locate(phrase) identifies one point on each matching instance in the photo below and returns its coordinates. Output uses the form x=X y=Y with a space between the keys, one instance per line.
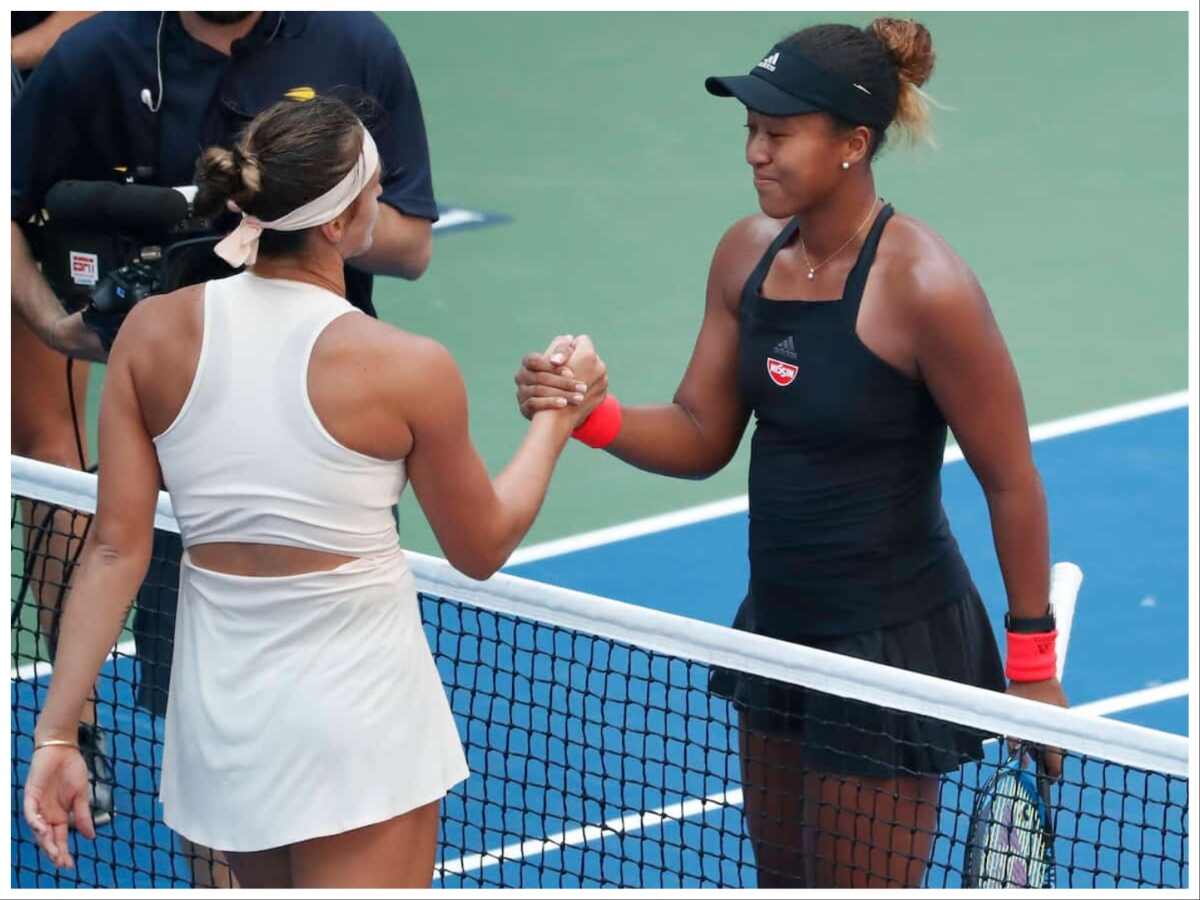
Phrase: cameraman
x=127 y=92
x=138 y=95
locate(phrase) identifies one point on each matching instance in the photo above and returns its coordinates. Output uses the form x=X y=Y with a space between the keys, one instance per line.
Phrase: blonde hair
x=909 y=44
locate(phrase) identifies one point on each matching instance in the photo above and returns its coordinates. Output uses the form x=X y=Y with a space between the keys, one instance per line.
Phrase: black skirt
x=838 y=735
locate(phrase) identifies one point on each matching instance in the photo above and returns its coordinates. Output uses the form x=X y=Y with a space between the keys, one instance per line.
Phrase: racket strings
x=1009 y=841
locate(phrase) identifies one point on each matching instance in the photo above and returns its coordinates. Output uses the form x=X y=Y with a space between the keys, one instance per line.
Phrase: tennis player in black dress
x=855 y=335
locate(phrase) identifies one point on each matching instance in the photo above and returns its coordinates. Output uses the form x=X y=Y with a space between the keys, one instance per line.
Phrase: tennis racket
x=1010 y=841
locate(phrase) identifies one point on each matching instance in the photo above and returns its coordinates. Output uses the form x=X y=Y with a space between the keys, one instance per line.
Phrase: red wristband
x=601 y=428
x=1032 y=657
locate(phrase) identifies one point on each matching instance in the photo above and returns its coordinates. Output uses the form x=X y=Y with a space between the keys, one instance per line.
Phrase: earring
x=845 y=165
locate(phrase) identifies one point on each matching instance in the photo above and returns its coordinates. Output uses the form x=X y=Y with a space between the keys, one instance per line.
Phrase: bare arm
x=402 y=246
x=29 y=47
x=114 y=564
x=963 y=359
x=37 y=304
x=478 y=521
x=118 y=547
x=966 y=365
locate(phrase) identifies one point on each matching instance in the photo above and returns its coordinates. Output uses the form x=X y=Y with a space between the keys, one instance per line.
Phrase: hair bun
x=909 y=44
x=249 y=170
x=223 y=175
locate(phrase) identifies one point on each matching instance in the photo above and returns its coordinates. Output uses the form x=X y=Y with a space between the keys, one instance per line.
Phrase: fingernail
x=582 y=388
x=560 y=402
x=578 y=398
x=556 y=358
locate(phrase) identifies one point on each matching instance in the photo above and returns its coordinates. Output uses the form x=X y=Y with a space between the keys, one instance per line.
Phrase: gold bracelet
x=54 y=743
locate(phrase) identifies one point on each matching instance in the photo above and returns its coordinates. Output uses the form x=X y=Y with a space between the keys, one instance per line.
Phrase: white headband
x=240 y=246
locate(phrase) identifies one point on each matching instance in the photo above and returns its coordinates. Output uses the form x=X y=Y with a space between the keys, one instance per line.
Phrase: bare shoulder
x=740 y=249
x=750 y=236
x=392 y=355
x=923 y=271
x=161 y=325
x=164 y=311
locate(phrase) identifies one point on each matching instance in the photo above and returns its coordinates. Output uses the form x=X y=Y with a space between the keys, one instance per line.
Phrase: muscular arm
x=402 y=247
x=37 y=304
x=697 y=434
x=478 y=521
x=117 y=554
x=963 y=359
x=29 y=47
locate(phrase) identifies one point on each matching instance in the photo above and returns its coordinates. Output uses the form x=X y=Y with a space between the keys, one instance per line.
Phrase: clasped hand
x=568 y=374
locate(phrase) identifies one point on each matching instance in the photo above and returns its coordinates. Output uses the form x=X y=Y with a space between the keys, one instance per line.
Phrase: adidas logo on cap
x=769 y=63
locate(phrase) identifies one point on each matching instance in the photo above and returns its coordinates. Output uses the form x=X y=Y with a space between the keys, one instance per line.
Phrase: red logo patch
x=781 y=373
x=85 y=268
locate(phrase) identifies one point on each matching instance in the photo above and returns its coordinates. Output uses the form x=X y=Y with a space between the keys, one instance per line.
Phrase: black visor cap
x=785 y=83
x=759 y=95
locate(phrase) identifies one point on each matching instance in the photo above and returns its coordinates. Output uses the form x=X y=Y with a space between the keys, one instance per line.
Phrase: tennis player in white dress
x=308 y=735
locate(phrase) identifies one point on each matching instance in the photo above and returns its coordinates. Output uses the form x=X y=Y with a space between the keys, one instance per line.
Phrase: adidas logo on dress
x=769 y=63
x=786 y=347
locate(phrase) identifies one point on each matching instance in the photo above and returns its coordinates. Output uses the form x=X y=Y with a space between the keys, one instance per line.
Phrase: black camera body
x=115 y=295
x=106 y=246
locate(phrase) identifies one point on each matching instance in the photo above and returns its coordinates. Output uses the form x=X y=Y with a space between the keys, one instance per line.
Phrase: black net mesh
x=598 y=763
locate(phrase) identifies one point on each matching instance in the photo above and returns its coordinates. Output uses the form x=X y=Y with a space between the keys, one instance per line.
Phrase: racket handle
x=1065 y=580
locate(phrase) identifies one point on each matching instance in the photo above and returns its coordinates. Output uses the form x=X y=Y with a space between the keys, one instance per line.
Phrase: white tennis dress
x=310 y=704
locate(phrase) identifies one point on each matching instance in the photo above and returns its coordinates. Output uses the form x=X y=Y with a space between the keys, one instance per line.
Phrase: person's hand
x=590 y=369
x=1048 y=691
x=57 y=790
x=72 y=336
x=545 y=381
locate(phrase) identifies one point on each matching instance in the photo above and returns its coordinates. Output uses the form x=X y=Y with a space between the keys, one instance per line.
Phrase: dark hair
x=891 y=58
x=291 y=153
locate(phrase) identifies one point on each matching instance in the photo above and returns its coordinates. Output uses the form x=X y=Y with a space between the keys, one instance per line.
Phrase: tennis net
x=605 y=750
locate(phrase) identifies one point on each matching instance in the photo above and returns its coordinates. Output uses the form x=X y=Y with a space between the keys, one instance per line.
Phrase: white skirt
x=302 y=706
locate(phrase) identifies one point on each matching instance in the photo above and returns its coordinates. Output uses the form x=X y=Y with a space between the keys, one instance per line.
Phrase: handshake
x=567 y=374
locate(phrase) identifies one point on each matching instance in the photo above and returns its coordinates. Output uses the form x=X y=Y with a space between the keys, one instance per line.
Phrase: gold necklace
x=812 y=270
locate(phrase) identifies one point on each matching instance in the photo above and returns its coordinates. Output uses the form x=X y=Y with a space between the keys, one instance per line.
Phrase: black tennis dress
x=850 y=548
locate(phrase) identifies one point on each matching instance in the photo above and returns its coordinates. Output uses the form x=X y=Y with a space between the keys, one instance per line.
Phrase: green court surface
x=1061 y=177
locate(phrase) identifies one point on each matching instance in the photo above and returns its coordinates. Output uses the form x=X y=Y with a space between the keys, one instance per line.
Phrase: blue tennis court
x=642 y=761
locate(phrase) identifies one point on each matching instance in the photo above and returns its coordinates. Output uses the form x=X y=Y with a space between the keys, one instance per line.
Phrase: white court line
x=639 y=821
x=451 y=218
x=1134 y=699
x=702 y=513
x=686 y=809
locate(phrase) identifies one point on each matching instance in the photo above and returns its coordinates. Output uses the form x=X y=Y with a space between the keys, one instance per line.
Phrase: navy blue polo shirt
x=82 y=116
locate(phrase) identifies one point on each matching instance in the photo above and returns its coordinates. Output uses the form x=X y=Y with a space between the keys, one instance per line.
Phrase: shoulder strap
x=754 y=282
x=857 y=278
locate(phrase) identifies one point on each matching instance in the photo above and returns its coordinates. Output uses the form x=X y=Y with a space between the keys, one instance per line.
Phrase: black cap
x=786 y=83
